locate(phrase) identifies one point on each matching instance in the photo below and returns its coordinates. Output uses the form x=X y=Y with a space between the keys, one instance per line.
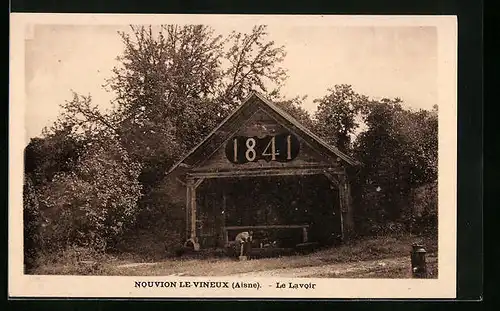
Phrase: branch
x=252 y=39
x=91 y=115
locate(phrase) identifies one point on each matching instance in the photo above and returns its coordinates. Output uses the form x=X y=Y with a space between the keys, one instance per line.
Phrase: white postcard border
x=444 y=286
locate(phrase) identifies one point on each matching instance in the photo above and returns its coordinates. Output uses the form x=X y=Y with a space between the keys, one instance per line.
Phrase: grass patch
x=399 y=270
x=356 y=251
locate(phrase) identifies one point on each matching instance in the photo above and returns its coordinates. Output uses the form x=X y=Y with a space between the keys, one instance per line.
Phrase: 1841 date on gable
x=281 y=148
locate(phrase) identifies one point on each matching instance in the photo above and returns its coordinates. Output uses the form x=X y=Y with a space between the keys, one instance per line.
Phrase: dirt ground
x=375 y=268
x=389 y=268
x=383 y=257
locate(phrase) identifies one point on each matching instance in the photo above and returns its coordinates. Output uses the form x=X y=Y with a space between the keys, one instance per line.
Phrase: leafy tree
x=183 y=80
x=146 y=142
x=425 y=210
x=58 y=151
x=91 y=205
x=420 y=133
x=399 y=153
x=336 y=115
x=378 y=149
x=254 y=63
x=31 y=224
x=162 y=76
x=294 y=108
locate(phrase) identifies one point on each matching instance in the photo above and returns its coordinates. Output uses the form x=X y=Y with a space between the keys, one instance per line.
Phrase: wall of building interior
x=280 y=200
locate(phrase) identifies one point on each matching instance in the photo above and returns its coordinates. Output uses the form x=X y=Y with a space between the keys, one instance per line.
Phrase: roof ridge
x=280 y=112
x=289 y=117
x=226 y=119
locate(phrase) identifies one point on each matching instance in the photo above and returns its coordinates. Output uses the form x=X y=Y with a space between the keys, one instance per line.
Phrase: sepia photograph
x=193 y=149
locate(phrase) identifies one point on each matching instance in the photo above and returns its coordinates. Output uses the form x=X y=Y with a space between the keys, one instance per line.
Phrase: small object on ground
x=242 y=258
x=418 y=261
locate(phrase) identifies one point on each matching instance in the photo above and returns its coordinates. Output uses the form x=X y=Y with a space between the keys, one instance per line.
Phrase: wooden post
x=191 y=186
x=225 y=239
x=348 y=221
x=342 y=209
x=191 y=206
x=189 y=190
x=339 y=181
x=342 y=235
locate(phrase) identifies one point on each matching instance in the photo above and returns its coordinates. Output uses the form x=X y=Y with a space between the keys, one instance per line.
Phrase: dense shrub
x=158 y=230
x=420 y=216
x=91 y=206
x=32 y=223
x=425 y=215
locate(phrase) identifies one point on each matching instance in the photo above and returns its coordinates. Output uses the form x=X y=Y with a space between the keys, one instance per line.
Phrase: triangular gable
x=264 y=124
x=252 y=105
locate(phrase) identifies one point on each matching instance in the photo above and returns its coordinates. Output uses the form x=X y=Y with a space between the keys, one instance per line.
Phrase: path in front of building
x=388 y=267
x=351 y=269
x=331 y=270
x=140 y=264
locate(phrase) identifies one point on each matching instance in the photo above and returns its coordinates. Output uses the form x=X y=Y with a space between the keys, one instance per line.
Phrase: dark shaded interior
x=281 y=200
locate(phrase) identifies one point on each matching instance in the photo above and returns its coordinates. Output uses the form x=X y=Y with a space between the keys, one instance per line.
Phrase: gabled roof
x=329 y=148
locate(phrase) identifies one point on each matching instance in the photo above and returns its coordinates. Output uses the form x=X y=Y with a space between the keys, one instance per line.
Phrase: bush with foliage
x=91 y=206
x=32 y=221
x=424 y=220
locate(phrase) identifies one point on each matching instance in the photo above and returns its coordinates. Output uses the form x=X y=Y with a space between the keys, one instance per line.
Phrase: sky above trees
x=376 y=61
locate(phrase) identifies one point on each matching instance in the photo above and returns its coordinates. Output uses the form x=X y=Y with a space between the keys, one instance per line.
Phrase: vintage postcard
x=232 y=156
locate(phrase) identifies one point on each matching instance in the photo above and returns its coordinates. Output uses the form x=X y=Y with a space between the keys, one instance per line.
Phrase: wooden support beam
x=349 y=222
x=346 y=208
x=191 y=185
x=340 y=181
x=224 y=206
x=305 y=238
x=325 y=167
x=344 y=205
x=191 y=208
x=198 y=182
x=267 y=227
x=192 y=199
x=189 y=188
x=332 y=178
x=263 y=172
x=226 y=237
x=180 y=181
x=342 y=236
